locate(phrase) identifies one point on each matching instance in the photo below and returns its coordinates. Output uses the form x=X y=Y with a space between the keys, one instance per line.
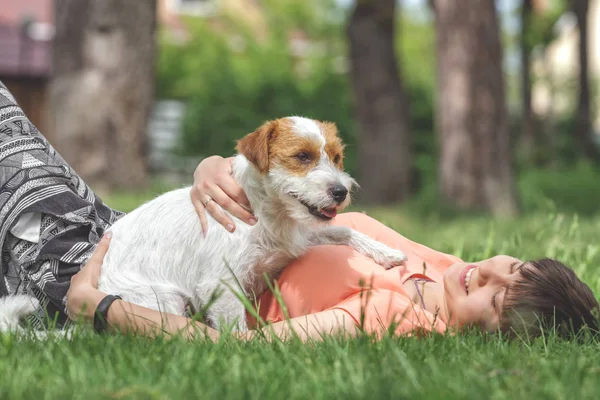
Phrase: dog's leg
x=383 y=255
x=222 y=306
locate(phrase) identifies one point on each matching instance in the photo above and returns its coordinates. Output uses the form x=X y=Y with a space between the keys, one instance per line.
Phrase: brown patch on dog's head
x=294 y=152
x=255 y=146
x=333 y=144
x=279 y=142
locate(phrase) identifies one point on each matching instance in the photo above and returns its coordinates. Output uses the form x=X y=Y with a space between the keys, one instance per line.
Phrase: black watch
x=100 y=322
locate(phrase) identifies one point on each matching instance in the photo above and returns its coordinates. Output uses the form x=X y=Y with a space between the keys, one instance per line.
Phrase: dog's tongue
x=329 y=212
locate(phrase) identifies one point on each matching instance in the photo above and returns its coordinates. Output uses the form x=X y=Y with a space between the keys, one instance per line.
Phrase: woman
x=50 y=221
x=335 y=289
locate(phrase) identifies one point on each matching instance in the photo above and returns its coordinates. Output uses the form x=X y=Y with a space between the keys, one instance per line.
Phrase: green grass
x=470 y=366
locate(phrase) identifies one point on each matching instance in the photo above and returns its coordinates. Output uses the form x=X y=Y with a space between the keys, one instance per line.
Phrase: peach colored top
x=337 y=277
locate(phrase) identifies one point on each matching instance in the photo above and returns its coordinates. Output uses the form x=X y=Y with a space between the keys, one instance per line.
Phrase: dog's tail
x=13 y=308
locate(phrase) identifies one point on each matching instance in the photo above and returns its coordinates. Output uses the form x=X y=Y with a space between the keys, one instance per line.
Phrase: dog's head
x=301 y=162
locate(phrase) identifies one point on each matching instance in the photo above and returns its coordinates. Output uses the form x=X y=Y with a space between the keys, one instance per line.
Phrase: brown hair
x=549 y=297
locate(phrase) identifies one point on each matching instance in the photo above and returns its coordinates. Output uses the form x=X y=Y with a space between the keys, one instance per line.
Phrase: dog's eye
x=336 y=159
x=303 y=157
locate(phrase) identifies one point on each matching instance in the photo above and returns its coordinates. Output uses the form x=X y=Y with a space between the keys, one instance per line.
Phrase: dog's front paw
x=390 y=258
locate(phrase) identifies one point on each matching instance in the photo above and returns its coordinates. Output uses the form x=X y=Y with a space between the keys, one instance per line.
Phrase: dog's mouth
x=325 y=213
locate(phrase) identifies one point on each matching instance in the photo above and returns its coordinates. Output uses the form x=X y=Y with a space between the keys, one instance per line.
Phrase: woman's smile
x=465 y=277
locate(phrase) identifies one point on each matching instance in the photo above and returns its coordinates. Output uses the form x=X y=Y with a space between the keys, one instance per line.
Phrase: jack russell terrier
x=291 y=170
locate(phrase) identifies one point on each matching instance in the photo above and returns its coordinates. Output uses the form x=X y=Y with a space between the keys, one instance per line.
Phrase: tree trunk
x=102 y=90
x=384 y=142
x=583 y=126
x=476 y=163
x=528 y=135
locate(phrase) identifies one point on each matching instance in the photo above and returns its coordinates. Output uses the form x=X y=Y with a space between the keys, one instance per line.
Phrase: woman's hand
x=83 y=296
x=213 y=187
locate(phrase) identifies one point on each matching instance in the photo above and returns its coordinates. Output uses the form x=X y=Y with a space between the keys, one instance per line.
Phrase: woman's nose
x=487 y=273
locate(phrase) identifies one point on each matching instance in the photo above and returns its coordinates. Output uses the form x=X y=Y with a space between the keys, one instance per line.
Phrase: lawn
x=470 y=366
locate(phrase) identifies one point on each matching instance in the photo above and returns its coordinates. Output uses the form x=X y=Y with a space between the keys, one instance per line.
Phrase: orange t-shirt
x=337 y=277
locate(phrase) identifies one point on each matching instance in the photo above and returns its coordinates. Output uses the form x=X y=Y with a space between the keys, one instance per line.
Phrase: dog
x=291 y=170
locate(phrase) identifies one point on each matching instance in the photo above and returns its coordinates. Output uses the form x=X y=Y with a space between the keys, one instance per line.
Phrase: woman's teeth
x=468 y=278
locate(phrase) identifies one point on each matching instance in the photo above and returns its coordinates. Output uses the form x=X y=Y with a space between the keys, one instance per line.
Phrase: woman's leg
x=69 y=218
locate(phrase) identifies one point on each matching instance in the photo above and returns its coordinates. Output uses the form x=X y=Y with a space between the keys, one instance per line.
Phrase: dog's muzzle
x=338 y=194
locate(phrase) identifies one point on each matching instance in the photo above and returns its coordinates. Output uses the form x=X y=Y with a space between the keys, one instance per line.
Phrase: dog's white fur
x=13 y=308
x=159 y=258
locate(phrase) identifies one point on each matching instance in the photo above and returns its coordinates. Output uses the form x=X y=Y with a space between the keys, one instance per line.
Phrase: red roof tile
x=20 y=55
x=13 y=11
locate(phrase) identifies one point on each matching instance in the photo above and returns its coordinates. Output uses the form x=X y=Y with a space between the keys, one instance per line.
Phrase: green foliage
x=317 y=18
x=541 y=31
x=573 y=189
x=233 y=81
x=561 y=187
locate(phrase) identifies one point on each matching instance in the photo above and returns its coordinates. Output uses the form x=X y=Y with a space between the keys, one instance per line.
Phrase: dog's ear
x=255 y=146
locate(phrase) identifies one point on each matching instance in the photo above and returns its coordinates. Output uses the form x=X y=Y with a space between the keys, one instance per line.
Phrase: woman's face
x=475 y=292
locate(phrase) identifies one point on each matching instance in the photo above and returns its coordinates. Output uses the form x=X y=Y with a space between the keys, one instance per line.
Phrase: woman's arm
x=83 y=298
x=311 y=326
x=130 y=317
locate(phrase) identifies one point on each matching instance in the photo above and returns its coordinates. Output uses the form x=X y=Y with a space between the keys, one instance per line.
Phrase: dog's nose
x=338 y=192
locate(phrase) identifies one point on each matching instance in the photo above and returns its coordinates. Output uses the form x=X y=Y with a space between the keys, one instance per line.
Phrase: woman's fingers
x=94 y=265
x=235 y=191
x=210 y=205
x=233 y=200
x=83 y=294
x=219 y=198
x=216 y=190
x=101 y=249
x=201 y=211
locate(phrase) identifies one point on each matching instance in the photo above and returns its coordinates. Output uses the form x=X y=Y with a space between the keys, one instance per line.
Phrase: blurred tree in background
x=537 y=144
x=528 y=134
x=103 y=87
x=583 y=127
x=384 y=140
x=476 y=163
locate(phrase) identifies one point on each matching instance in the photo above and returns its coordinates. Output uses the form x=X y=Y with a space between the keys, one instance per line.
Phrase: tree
x=476 y=163
x=102 y=90
x=384 y=142
x=583 y=126
x=528 y=133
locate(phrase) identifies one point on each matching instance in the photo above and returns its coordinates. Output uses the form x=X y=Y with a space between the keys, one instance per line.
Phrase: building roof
x=26 y=30
x=13 y=11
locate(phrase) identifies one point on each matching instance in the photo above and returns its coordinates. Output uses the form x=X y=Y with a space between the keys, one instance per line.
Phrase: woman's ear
x=255 y=146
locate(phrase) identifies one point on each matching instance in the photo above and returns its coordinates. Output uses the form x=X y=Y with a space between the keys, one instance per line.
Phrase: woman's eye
x=302 y=157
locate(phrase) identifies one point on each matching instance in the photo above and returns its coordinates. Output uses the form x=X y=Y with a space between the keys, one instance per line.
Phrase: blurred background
x=446 y=106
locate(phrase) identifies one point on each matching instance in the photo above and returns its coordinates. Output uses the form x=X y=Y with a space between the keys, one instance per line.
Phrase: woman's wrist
x=86 y=301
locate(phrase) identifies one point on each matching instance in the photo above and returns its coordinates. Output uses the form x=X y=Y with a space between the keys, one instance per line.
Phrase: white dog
x=292 y=172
